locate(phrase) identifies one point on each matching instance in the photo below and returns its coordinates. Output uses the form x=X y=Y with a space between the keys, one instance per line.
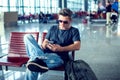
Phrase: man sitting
x=54 y=50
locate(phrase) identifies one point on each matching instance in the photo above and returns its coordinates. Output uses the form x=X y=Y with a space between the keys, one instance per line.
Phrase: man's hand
x=54 y=47
x=58 y=48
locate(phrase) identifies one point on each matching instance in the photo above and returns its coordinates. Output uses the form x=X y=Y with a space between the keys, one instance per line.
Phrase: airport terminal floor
x=100 y=48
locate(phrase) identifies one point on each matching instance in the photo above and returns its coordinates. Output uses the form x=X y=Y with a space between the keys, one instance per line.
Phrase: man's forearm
x=58 y=48
x=72 y=47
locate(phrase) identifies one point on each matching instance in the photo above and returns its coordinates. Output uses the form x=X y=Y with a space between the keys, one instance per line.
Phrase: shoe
x=37 y=65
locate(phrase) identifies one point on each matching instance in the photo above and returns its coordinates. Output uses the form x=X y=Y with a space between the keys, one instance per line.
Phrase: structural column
x=86 y=5
x=62 y=4
x=1 y=30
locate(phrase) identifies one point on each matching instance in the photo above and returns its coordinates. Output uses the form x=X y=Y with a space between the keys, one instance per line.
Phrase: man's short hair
x=66 y=12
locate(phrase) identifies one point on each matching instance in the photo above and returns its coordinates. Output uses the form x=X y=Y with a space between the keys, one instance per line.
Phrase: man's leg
x=32 y=47
x=34 y=51
x=53 y=60
x=108 y=17
x=29 y=75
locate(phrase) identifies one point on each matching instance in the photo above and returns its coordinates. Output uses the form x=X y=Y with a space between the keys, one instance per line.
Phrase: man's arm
x=57 y=48
x=75 y=46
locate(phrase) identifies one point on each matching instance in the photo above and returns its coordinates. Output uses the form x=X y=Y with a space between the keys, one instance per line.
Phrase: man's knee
x=27 y=37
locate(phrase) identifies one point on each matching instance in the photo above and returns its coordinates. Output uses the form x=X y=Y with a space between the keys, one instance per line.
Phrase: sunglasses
x=61 y=21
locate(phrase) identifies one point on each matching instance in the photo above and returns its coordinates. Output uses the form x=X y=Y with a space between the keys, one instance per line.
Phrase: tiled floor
x=99 y=47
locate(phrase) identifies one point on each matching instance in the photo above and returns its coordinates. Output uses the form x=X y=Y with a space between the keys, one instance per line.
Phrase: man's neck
x=64 y=28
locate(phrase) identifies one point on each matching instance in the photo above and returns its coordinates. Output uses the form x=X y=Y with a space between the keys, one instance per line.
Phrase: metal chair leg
x=2 y=77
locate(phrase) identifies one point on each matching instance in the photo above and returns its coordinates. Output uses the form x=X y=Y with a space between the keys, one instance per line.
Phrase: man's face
x=64 y=22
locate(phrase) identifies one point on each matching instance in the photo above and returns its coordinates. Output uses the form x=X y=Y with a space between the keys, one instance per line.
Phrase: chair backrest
x=17 y=48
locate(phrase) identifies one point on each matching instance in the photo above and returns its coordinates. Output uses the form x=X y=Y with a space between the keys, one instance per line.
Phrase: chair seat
x=13 y=61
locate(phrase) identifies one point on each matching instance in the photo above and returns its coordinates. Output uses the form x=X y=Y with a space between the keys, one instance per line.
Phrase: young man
x=54 y=50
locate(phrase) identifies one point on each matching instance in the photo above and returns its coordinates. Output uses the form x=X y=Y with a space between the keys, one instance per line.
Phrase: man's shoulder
x=54 y=27
x=74 y=28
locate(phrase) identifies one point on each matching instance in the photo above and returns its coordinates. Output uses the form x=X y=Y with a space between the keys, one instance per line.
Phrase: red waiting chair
x=16 y=56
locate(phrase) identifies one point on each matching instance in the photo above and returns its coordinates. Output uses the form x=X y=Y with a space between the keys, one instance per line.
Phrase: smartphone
x=51 y=42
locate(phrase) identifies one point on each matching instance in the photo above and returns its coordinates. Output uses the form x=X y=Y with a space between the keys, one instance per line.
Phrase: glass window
x=35 y=6
x=3 y=5
x=29 y=6
x=13 y=5
x=92 y=6
x=75 y=5
x=19 y=7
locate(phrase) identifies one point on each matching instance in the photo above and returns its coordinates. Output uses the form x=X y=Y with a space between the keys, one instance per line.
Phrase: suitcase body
x=79 y=70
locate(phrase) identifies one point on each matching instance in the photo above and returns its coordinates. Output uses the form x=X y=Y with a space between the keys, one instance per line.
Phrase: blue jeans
x=33 y=51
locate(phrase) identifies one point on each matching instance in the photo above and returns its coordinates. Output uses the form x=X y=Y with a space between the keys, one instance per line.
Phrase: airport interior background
x=100 y=42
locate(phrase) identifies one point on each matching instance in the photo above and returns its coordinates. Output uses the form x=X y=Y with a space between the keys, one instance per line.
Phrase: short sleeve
x=76 y=35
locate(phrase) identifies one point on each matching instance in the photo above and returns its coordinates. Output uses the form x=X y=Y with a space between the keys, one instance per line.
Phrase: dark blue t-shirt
x=63 y=38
